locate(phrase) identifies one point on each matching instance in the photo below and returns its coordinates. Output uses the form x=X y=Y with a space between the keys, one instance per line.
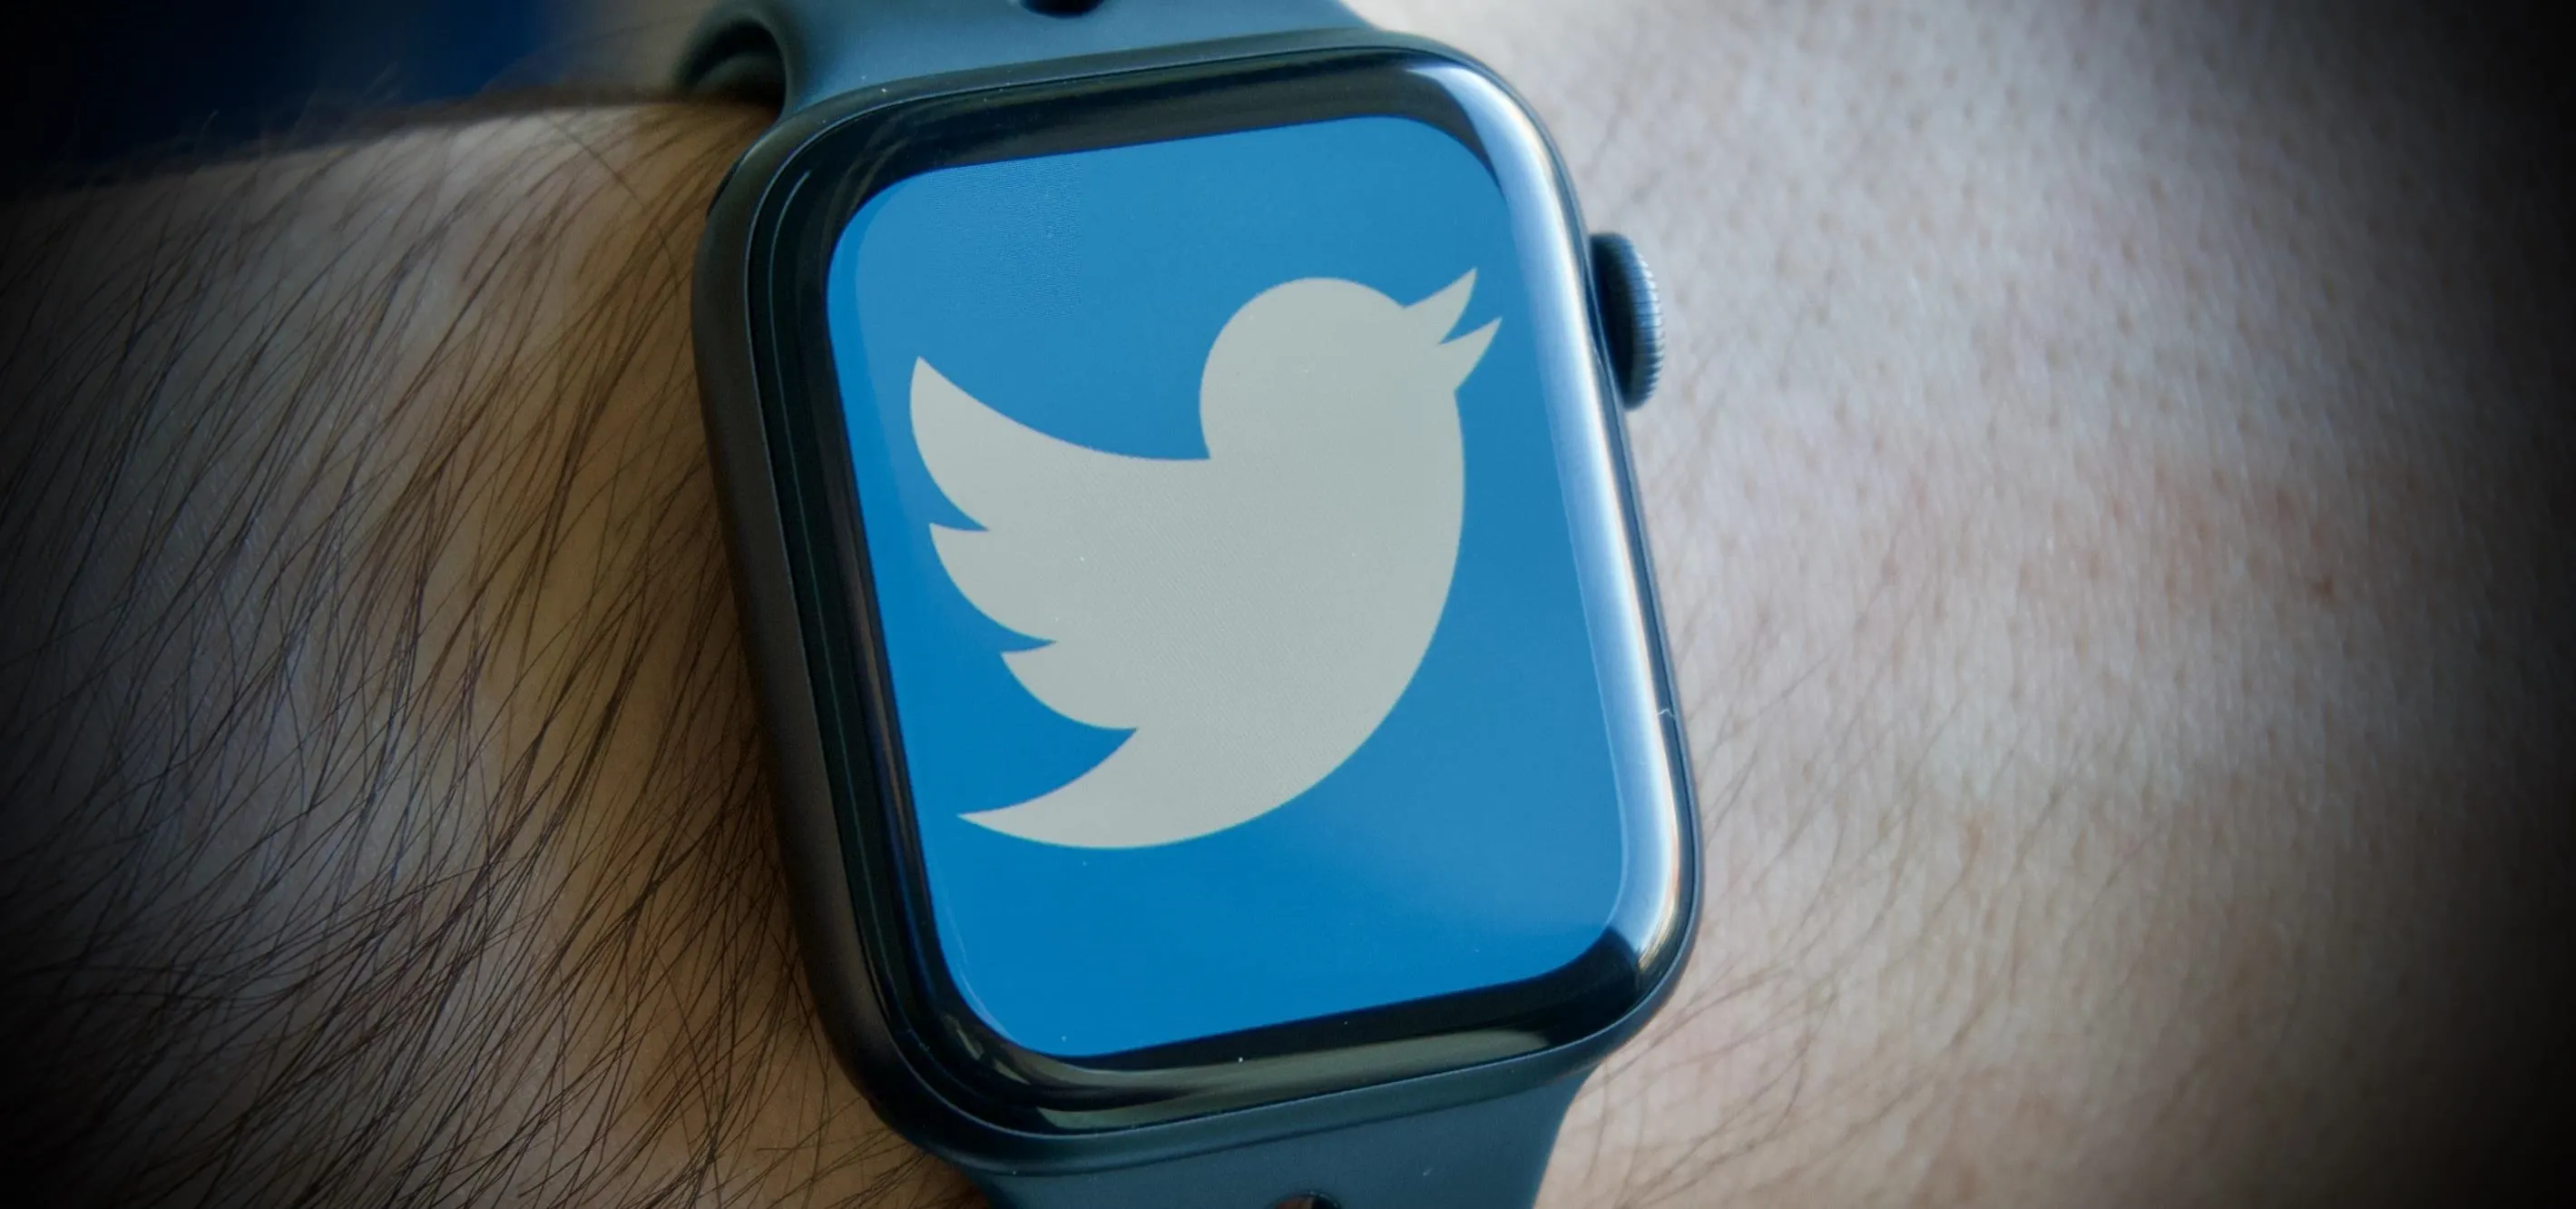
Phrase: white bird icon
x=1250 y=616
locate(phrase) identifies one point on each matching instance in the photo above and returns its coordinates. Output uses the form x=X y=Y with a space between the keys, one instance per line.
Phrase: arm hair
x=385 y=819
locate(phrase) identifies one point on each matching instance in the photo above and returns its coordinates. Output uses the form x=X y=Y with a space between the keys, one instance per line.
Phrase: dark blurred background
x=99 y=83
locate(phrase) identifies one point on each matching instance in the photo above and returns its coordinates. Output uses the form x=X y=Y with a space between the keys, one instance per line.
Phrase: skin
x=2106 y=497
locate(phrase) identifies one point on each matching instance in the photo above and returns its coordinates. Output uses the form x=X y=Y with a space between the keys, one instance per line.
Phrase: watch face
x=1255 y=639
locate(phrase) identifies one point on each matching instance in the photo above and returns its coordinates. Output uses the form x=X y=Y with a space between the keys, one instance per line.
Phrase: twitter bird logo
x=1251 y=616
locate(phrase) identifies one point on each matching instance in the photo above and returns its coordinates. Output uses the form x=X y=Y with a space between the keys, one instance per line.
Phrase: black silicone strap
x=1482 y=1156
x=806 y=50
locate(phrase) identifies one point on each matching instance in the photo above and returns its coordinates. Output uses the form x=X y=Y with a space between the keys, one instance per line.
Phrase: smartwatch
x=1172 y=452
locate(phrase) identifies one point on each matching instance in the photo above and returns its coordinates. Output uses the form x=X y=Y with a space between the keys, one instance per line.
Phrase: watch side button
x=1632 y=321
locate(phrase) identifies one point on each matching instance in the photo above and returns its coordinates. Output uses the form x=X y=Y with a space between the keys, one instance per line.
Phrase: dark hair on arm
x=381 y=817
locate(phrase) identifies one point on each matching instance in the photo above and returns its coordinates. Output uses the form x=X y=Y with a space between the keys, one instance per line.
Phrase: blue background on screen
x=1473 y=840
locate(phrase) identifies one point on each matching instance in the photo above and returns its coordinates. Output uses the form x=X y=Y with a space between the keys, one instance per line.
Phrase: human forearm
x=405 y=827
x=2116 y=653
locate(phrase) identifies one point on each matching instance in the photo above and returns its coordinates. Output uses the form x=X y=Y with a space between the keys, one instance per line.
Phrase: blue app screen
x=1219 y=545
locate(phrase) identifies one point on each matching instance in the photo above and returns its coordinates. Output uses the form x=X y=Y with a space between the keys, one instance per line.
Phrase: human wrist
x=2123 y=712
x=400 y=456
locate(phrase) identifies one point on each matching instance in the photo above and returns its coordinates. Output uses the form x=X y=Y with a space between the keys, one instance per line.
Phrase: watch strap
x=1488 y=1155
x=805 y=50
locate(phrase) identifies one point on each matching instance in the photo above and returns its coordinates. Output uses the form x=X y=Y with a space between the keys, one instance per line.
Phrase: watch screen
x=1239 y=659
